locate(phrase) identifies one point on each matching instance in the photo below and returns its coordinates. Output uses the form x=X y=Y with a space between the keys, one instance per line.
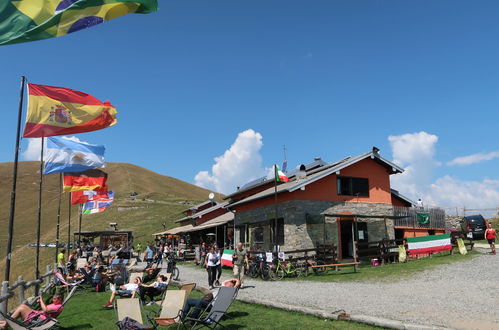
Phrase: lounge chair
x=62 y=280
x=171 y=308
x=218 y=308
x=128 y=308
x=188 y=287
x=81 y=262
x=40 y=324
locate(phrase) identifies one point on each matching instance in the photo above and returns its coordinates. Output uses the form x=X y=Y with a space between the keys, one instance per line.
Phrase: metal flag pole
x=57 y=234
x=275 y=204
x=69 y=222
x=79 y=225
x=14 y=184
x=39 y=222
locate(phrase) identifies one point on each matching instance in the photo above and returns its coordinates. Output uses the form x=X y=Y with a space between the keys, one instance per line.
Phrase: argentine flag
x=65 y=155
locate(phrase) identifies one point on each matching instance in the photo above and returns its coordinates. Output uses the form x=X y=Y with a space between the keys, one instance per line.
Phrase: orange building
x=338 y=203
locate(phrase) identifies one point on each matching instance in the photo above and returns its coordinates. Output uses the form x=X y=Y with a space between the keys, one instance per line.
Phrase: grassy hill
x=160 y=199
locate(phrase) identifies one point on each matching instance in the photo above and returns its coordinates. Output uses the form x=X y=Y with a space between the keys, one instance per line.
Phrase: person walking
x=149 y=255
x=490 y=235
x=240 y=259
x=212 y=258
x=219 y=266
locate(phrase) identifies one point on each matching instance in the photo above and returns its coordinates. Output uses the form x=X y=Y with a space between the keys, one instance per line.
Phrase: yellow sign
x=402 y=254
x=460 y=245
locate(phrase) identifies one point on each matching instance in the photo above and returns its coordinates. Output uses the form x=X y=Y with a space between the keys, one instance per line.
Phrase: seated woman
x=100 y=279
x=29 y=314
x=152 y=290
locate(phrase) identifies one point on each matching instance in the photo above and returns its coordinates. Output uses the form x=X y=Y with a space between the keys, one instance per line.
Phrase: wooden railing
x=7 y=292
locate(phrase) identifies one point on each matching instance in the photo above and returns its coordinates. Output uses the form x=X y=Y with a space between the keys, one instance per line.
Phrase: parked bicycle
x=171 y=266
x=258 y=267
x=291 y=268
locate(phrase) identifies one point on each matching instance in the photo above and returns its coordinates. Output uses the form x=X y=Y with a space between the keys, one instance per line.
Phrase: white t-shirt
x=213 y=259
x=131 y=286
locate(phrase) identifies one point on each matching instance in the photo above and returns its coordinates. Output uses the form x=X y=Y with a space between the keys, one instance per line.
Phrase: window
x=278 y=231
x=258 y=235
x=353 y=186
x=242 y=233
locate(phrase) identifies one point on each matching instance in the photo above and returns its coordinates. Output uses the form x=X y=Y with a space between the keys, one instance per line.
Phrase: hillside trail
x=460 y=295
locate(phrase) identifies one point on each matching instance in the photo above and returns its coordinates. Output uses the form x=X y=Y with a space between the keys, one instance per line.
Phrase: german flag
x=88 y=180
x=60 y=111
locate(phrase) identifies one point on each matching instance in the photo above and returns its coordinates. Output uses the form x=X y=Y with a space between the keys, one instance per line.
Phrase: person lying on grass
x=124 y=290
x=29 y=314
x=153 y=289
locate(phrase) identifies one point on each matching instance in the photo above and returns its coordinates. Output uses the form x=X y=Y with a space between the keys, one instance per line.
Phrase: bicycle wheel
x=254 y=271
x=266 y=272
x=279 y=273
x=320 y=270
x=302 y=270
x=175 y=273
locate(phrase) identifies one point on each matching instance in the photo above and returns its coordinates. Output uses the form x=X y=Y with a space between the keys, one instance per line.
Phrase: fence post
x=4 y=292
x=47 y=279
x=21 y=289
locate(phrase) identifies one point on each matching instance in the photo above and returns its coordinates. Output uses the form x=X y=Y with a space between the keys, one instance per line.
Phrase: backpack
x=130 y=324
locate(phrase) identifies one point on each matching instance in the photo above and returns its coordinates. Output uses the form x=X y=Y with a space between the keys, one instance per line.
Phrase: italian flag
x=429 y=244
x=227 y=258
x=279 y=175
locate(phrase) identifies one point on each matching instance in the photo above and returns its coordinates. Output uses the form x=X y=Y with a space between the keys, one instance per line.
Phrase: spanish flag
x=88 y=180
x=30 y=20
x=59 y=111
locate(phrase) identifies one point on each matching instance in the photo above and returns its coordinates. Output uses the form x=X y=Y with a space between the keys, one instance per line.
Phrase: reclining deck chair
x=213 y=314
x=171 y=308
x=129 y=308
x=40 y=324
x=188 y=287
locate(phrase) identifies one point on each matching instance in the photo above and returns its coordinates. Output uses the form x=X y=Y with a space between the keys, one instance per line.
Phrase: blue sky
x=324 y=78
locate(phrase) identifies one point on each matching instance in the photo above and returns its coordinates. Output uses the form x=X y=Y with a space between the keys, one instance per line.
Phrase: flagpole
x=14 y=183
x=57 y=235
x=39 y=222
x=275 y=204
x=79 y=226
x=69 y=222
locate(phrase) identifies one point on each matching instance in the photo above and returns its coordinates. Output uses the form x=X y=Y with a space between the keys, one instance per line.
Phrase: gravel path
x=462 y=295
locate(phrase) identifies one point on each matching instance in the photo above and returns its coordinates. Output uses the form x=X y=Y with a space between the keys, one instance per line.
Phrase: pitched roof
x=265 y=179
x=203 y=212
x=402 y=197
x=320 y=173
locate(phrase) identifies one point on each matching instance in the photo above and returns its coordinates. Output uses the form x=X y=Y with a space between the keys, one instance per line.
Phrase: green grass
x=85 y=311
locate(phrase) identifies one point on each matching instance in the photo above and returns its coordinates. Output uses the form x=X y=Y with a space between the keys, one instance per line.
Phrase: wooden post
x=21 y=289
x=47 y=279
x=3 y=292
x=354 y=246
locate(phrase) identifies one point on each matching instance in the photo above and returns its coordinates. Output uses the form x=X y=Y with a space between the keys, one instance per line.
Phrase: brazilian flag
x=30 y=20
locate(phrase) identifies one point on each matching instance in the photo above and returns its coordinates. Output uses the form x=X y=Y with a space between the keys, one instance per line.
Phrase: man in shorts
x=240 y=259
x=490 y=235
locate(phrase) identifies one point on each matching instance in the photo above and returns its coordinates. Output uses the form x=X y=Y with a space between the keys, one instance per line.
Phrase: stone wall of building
x=452 y=221
x=305 y=221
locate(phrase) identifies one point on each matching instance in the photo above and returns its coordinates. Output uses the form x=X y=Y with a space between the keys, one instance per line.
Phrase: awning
x=218 y=221
x=175 y=230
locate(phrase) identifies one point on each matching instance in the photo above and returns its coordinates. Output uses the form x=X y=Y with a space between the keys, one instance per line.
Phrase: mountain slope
x=159 y=200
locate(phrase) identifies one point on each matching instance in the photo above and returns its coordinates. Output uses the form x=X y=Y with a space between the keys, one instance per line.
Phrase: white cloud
x=473 y=159
x=416 y=153
x=33 y=149
x=241 y=163
x=32 y=152
x=451 y=192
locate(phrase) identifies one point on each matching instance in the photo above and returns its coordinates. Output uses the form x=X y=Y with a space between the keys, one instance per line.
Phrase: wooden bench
x=354 y=264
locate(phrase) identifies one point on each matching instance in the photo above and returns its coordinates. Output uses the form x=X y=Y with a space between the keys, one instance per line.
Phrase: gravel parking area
x=462 y=295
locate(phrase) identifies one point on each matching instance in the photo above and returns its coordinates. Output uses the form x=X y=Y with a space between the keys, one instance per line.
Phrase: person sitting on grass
x=152 y=290
x=124 y=290
x=29 y=314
